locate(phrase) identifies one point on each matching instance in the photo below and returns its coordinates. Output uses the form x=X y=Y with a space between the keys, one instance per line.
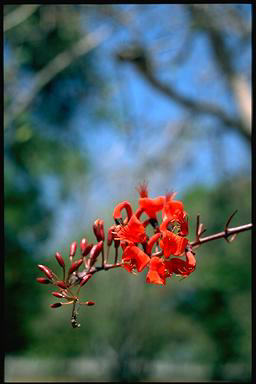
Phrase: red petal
x=151 y=206
x=154 y=278
x=172 y=244
x=134 y=231
x=136 y=256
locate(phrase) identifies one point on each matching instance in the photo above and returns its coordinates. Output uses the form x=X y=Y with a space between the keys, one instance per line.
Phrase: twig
x=224 y=234
x=58 y=64
x=20 y=14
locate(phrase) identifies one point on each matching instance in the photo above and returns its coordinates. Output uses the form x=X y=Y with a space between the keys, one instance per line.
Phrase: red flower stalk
x=60 y=259
x=47 y=271
x=133 y=232
x=118 y=209
x=158 y=272
x=135 y=257
x=43 y=280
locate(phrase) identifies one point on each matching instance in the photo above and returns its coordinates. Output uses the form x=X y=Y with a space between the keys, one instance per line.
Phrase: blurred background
x=98 y=98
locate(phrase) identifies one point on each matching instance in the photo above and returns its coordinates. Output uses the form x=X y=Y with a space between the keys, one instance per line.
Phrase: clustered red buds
x=139 y=250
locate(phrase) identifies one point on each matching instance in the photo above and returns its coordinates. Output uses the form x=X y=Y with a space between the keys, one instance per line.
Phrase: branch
x=19 y=15
x=57 y=65
x=224 y=234
x=137 y=56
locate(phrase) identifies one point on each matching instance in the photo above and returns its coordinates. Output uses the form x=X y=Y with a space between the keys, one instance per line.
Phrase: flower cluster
x=160 y=251
x=168 y=239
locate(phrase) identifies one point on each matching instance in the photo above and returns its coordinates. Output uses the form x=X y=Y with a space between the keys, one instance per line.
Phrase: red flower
x=182 y=267
x=118 y=209
x=153 y=239
x=158 y=272
x=174 y=211
x=171 y=243
x=135 y=257
x=133 y=232
x=148 y=205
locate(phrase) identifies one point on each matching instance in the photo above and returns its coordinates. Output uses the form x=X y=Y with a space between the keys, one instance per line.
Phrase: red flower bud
x=95 y=251
x=57 y=294
x=110 y=235
x=61 y=284
x=83 y=245
x=98 y=229
x=75 y=265
x=43 y=280
x=60 y=259
x=47 y=271
x=90 y=302
x=85 y=279
x=73 y=247
x=56 y=305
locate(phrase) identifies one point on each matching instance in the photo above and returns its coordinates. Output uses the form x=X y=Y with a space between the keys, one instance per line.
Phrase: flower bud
x=56 y=305
x=75 y=265
x=95 y=251
x=90 y=303
x=47 y=271
x=72 y=252
x=61 y=284
x=83 y=245
x=43 y=280
x=98 y=229
x=60 y=259
x=85 y=279
x=110 y=235
x=57 y=294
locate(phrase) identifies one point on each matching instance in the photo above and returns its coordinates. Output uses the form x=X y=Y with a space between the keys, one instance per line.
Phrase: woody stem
x=224 y=234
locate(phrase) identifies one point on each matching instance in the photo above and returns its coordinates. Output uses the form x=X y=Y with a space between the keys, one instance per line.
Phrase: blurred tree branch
x=55 y=66
x=137 y=55
x=19 y=15
x=223 y=57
